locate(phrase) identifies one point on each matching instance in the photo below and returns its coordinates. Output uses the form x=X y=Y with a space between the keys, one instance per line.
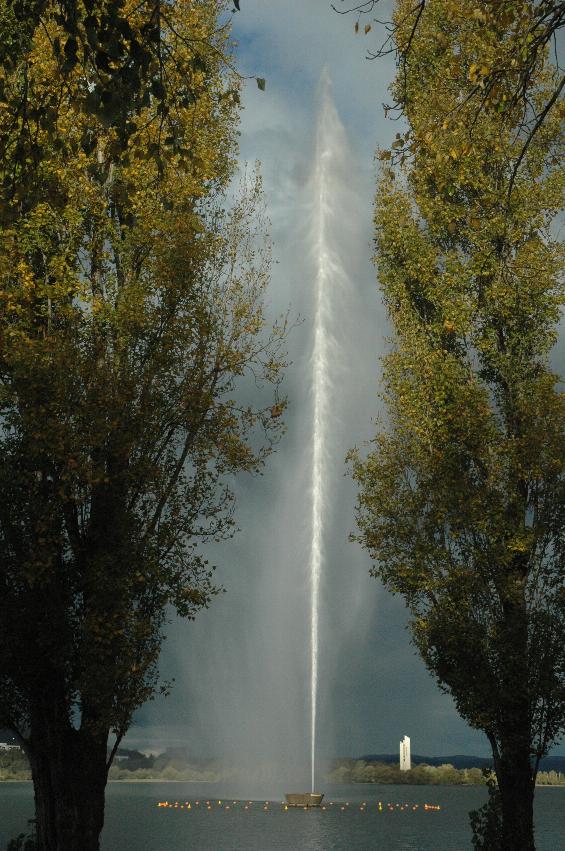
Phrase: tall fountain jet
x=279 y=638
x=328 y=172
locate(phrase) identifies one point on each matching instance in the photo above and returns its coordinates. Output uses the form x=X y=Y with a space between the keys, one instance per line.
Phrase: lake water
x=134 y=822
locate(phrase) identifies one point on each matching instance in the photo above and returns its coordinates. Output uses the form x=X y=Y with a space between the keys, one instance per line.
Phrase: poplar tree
x=121 y=46
x=462 y=494
x=528 y=28
x=131 y=308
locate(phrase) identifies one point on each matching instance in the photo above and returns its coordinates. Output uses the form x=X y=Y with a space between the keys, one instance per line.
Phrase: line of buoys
x=363 y=807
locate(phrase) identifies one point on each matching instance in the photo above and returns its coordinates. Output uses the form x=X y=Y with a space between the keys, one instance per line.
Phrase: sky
x=241 y=669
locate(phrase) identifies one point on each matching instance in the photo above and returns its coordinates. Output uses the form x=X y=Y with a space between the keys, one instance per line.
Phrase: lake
x=134 y=822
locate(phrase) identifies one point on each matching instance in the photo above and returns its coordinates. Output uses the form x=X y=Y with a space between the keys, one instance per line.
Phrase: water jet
x=329 y=273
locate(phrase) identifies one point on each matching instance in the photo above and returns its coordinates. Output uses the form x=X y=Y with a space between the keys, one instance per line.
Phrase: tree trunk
x=516 y=785
x=69 y=777
x=516 y=779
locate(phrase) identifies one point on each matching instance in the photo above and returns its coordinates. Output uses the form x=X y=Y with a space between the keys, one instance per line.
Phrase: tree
x=124 y=48
x=524 y=30
x=462 y=495
x=131 y=307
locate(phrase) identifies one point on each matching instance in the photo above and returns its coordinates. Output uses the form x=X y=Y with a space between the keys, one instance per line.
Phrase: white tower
x=405 y=764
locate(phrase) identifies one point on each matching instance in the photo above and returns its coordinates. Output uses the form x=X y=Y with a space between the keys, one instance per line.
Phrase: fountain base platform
x=304 y=799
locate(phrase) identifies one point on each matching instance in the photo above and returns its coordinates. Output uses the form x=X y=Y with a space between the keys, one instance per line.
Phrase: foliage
x=462 y=495
x=124 y=51
x=127 y=56
x=185 y=774
x=500 y=78
x=550 y=778
x=170 y=765
x=23 y=842
x=359 y=771
x=486 y=822
x=175 y=765
x=131 y=308
x=14 y=765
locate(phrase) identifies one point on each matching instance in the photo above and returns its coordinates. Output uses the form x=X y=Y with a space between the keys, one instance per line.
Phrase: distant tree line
x=359 y=771
x=176 y=764
x=172 y=764
x=14 y=765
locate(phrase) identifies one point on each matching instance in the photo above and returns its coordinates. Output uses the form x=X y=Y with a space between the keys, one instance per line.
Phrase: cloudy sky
x=242 y=668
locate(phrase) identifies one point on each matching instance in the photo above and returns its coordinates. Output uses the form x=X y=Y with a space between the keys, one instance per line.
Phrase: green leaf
x=261 y=83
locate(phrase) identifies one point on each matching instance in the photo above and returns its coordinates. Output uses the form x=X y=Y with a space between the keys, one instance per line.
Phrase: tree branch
x=531 y=135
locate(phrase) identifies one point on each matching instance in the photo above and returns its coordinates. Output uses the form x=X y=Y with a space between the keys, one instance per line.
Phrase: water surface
x=135 y=823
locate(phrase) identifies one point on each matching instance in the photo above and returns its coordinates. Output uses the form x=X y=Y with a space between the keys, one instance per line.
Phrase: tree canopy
x=517 y=36
x=131 y=296
x=462 y=494
x=135 y=64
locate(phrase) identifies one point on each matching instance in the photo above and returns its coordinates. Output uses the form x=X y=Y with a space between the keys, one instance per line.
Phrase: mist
x=243 y=667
